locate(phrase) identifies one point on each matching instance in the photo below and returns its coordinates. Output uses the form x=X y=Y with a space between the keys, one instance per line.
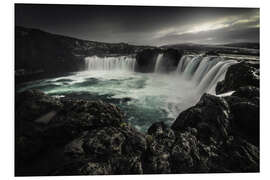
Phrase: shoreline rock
x=92 y=138
x=239 y=75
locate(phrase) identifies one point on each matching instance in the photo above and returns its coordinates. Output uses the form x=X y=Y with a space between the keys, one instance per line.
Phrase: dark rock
x=115 y=165
x=160 y=139
x=77 y=116
x=159 y=164
x=32 y=104
x=185 y=153
x=126 y=165
x=162 y=134
x=135 y=143
x=92 y=113
x=28 y=142
x=95 y=168
x=71 y=120
x=239 y=156
x=107 y=150
x=105 y=142
x=234 y=100
x=146 y=60
x=211 y=53
x=190 y=155
x=210 y=137
x=56 y=53
x=210 y=116
x=247 y=120
x=248 y=92
x=238 y=75
x=170 y=59
x=74 y=148
x=244 y=104
x=215 y=135
x=83 y=167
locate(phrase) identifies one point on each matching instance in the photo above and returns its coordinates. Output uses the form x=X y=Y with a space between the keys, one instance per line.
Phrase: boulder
x=30 y=105
x=106 y=142
x=157 y=157
x=238 y=75
x=247 y=92
x=126 y=165
x=83 y=167
x=77 y=116
x=146 y=60
x=74 y=148
x=135 y=143
x=162 y=134
x=245 y=108
x=247 y=120
x=94 y=168
x=64 y=130
x=33 y=104
x=237 y=155
x=91 y=113
x=28 y=143
x=216 y=136
x=158 y=164
x=190 y=155
x=170 y=60
x=210 y=116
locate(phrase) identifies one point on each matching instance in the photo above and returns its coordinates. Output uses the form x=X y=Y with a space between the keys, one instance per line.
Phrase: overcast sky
x=144 y=25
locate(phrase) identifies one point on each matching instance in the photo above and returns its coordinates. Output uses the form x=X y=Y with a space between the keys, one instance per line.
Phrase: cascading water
x=158 y=65
x=121 y=63
x=204 y=72
x=145 y=98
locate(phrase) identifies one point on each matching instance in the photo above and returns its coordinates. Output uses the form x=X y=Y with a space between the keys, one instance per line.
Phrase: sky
x=143 y=25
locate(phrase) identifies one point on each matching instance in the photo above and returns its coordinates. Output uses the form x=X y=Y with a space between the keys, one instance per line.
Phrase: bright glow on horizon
x=229 y=23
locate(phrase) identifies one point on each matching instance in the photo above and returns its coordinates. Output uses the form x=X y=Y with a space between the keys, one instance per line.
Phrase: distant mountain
x=233 y=48
x=244 y=45
x=39 y=51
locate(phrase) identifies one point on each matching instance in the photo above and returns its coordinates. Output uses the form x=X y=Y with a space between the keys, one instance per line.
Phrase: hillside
x=234 y=48
x=37 y=51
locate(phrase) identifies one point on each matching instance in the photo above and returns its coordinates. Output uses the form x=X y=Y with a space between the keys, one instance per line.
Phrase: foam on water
x=152 y=97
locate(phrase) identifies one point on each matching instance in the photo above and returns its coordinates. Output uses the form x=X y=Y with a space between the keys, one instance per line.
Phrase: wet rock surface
x=170 y=59
x=208 y=139
x=239 y=75
x=218 y=134
x=145 y=60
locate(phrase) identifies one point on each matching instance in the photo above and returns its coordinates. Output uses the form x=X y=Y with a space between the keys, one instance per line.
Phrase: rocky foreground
x=78 y=137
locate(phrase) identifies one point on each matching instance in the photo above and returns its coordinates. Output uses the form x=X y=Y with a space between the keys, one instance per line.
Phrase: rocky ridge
x=79 y=137
x=39 y=52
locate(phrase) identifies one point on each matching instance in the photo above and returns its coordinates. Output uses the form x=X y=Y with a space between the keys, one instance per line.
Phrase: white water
x=158 y=65
x=121 y=63
x=153 y=96
x=204 y=72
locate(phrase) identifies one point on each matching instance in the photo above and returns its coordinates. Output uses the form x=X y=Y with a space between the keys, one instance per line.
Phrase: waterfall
x=158 y=65
x=120 y=63
x=203 y=72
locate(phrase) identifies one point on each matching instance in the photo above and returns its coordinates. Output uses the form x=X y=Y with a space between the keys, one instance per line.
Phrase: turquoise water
x=144 y=98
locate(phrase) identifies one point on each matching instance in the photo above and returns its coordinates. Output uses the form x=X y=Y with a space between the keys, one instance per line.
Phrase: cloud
x=226 y=29
x=141 y=25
